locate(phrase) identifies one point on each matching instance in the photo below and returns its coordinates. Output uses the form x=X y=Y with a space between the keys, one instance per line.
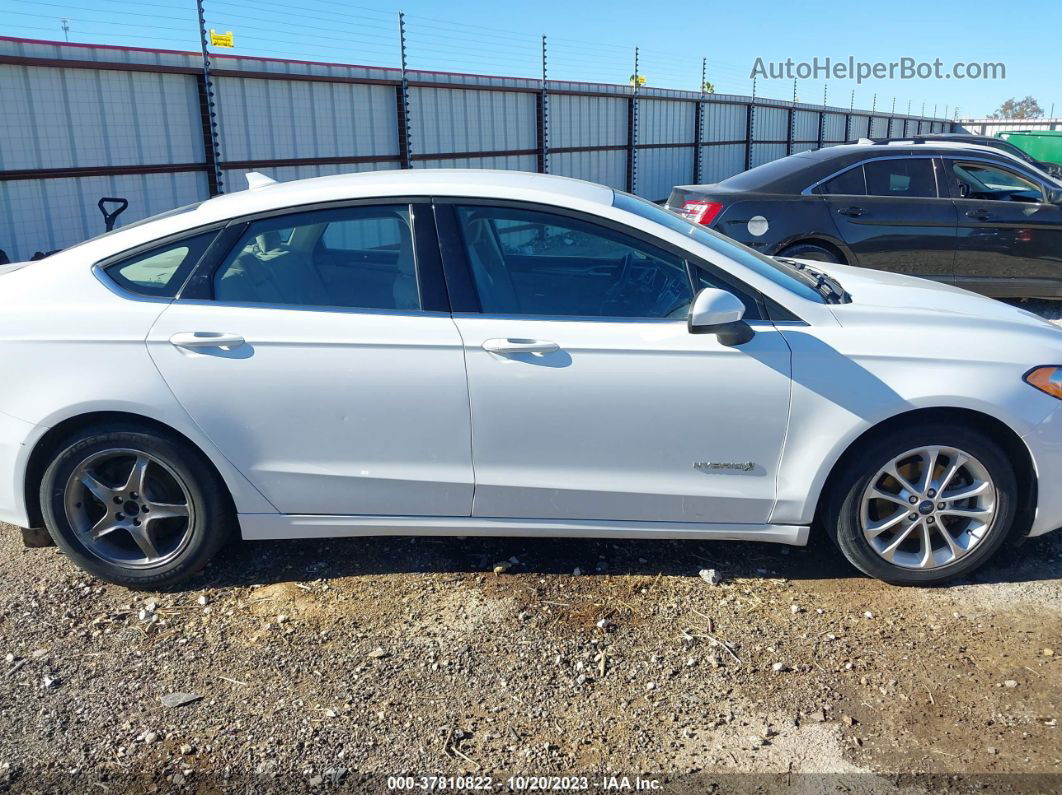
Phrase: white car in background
x=495 y=353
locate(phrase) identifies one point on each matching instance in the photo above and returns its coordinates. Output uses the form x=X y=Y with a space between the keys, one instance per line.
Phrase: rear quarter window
x=160 y=272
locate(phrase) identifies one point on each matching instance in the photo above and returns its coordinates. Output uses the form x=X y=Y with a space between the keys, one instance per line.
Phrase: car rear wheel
x=135 y=507
x=923 y=505
x=811 y=251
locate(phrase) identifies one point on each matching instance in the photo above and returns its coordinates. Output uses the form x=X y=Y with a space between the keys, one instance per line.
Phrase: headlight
x=1047 y=378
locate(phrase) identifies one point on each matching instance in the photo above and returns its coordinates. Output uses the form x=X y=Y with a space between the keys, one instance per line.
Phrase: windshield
x=778 y=272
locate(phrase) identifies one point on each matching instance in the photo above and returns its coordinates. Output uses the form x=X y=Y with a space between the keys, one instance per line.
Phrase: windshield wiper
x=826 y=285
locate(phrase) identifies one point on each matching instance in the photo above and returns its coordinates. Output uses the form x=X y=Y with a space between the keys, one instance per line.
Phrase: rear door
x=1010 y=238
x=321 y=361
x=890 y=213
x=590 y=398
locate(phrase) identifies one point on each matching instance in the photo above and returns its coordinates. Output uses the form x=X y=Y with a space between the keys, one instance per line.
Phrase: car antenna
x=256 y=179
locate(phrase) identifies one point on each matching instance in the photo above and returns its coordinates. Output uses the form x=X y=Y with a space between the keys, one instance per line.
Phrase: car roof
x=791 y=175
x=483 y=183
x=906 y=146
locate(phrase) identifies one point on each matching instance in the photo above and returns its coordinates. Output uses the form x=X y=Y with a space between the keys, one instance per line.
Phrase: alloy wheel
x=928 y=507
x=129 y=508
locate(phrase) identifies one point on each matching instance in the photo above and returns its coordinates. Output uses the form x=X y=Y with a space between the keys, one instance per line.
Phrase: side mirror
x=719 y=312
x=1054 y=195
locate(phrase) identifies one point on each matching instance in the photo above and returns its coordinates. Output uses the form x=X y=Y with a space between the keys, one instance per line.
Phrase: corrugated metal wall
x=130 y=123
x=993 y=126
x=278 y=119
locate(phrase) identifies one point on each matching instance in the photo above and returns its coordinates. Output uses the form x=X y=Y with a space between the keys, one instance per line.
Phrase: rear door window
x=850 y=183
x=355 y=257
x=904 y=178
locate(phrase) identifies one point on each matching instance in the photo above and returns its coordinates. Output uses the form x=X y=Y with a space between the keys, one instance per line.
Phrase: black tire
x=210 y=525
x=842 y=506
x=812 y=252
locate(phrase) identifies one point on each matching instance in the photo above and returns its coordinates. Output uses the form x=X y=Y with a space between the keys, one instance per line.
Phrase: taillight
x=702 y=212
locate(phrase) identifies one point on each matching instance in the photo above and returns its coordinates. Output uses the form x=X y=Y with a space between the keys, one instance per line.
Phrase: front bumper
x=16 y=439
x=1045 y=445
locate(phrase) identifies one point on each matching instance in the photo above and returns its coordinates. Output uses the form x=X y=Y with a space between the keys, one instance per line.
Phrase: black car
x=1053 y=169
x=967 y=215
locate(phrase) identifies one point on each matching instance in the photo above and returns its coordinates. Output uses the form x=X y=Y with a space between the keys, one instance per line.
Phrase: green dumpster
x=1043 y=145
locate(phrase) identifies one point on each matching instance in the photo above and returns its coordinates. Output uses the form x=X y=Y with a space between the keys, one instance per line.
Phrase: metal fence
x=993 y=126
x=80 y=122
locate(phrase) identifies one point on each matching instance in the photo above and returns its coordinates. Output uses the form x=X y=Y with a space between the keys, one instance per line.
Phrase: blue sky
x=595 y=40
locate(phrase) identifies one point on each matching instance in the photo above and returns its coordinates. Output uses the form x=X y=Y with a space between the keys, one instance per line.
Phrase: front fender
x=837 y=397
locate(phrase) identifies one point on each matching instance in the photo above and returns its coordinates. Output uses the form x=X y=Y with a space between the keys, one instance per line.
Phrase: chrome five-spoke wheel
x=129 y=508
x=928 y=507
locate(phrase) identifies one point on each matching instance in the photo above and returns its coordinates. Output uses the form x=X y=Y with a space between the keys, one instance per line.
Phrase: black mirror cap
x=1054 y=195
x=729 y=334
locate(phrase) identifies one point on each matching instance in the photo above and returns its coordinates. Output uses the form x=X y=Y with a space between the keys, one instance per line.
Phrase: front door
x=590 y=398
x=1010 y=238
x=889 y=213
x=315 y=370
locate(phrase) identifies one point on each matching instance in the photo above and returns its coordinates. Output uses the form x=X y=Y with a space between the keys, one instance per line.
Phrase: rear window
x=769 y=173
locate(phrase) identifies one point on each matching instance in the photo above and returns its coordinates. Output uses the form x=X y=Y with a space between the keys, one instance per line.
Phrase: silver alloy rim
x=928 y=508
x=129 y=509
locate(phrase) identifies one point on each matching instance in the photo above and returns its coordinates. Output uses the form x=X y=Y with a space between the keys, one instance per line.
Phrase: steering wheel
x=620 y=287
x=681 y=309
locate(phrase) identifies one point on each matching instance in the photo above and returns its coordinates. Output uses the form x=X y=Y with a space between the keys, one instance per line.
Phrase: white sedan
x=495 y=353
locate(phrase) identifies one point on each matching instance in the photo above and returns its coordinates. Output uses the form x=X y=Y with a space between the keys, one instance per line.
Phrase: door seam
x=471 y=423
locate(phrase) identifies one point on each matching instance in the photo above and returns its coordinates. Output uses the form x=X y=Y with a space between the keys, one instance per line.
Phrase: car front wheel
x=923 y=505
x=134 y=507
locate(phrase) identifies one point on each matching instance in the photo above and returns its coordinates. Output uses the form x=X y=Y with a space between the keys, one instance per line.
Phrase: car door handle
x=507 y=346
x=206 y=339
x=980 y=215
x=851 y=212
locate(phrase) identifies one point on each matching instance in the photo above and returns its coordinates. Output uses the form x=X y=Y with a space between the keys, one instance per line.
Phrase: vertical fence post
x=405 y=142
x=208 y=113
x=750 y=117
x=632 y=133
x=543 y=117
x=698 y=125
x=792 y=122
x=848 y=118
x=822 y=118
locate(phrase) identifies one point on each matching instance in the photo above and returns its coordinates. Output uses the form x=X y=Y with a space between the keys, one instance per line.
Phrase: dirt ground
x=324 y=666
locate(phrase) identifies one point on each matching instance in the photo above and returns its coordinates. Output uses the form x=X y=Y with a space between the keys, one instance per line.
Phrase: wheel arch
x=48 y=445
x=1011 y=443
x=831 y=244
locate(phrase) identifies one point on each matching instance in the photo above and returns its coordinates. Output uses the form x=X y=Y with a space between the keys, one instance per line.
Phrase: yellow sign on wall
x=221 y=39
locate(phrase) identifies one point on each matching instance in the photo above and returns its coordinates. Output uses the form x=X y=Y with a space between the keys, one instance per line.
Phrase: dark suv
x=963 y=214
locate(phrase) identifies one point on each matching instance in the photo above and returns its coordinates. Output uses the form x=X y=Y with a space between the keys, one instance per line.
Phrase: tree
x=708 y=88
x=640 y=78
x=1013 y=108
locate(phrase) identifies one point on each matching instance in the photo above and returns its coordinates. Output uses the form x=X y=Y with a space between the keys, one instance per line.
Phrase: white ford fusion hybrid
x=497 y=353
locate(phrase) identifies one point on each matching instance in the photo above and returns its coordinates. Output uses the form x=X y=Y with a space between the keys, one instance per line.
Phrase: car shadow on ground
x=268 y=562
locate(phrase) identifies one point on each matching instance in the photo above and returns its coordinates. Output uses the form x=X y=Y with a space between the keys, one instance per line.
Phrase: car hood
x=880 y=294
